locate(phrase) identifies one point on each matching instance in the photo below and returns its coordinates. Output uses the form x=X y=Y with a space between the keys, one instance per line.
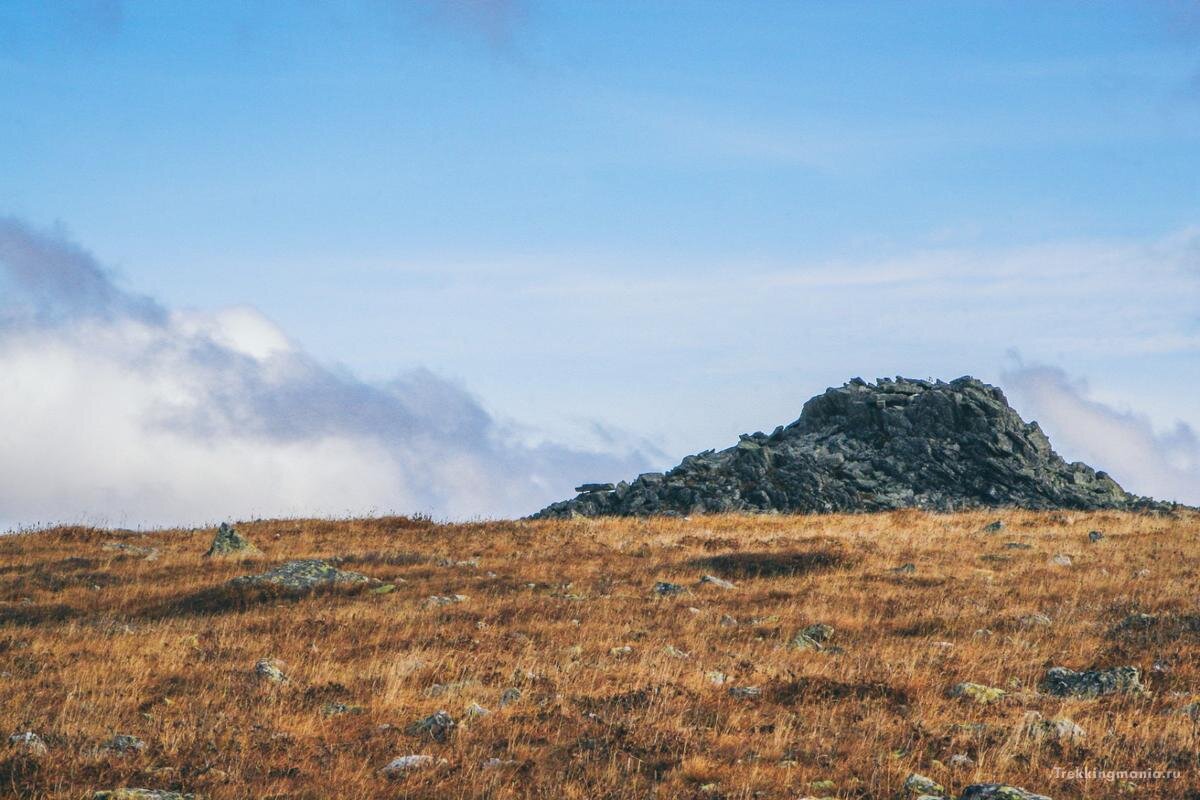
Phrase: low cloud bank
x=121 y=411
x=1162 y=464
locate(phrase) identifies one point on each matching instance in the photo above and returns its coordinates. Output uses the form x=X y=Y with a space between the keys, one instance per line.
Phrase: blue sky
x=641 y=227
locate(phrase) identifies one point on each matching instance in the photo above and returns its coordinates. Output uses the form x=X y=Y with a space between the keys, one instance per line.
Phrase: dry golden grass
x=95 y=642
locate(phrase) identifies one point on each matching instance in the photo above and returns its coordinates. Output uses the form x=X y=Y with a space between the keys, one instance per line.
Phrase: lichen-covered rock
x=874 y=447
x=813 y=637
x=268 y=669
x=28 y=743
x=403 y=764
x=1059 y=729
x=1064 y=682
x=123 y=744
x=720 y=583
x=301 y=576
x=140 y=794
x=978 y=693
x=745 y=692
x=998 y=791
x=438 y=726
x=917 y=784
x=228 y=543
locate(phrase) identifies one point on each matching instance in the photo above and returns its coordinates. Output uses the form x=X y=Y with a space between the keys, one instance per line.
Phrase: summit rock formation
x=891 y=444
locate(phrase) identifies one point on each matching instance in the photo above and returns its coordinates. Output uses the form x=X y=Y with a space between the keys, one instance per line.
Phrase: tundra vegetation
x=846 y=656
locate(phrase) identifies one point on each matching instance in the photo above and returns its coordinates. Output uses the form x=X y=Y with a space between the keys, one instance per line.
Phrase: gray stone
x=1059 y=729
x=268 y=669
x=148 y=553
x=28 y=743
x=228 y=543
x=1061 y=560
x=893 y=444
x=720 y=583
x=1063 y=682
x=302 y=576
x=403 y=764
x=140 y=794
x=438 y=601
x=595 y=487
x=905 y=569
x=916 y=784
x=745 y=692
x=994 y=527
x=438 y=726
x=998 y=791
x=1036 y=620
x=1095 y=536
x=666 y=589
x=510 y=696
x=123 y=744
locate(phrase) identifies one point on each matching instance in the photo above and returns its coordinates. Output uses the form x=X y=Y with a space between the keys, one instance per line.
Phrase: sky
x=457 y=256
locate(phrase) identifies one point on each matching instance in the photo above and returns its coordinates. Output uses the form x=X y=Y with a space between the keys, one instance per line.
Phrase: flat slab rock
x=879 y=446
x=1063 y=682
x=302 y=575
x=140 y=794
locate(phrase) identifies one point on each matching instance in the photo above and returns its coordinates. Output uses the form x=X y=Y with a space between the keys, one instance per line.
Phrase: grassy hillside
x=597 y=686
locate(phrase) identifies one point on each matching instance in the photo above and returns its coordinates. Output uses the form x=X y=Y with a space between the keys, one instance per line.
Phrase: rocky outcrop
x=873 y=447
x=228 y=543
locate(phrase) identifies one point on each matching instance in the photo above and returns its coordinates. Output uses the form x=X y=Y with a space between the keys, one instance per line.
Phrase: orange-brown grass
x=95 y=642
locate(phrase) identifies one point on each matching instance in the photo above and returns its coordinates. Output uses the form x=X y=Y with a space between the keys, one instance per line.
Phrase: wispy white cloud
x=1161 y=463
x=122 y=411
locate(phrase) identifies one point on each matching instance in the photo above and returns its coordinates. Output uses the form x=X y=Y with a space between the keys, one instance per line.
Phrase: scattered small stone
x=981 y=633
x=268 y=669
x=720 y=583
x=510 y=696
x=1141 y=573
x=438 y=601
x=904 y=569
x=399 y=766
x=123 y=744
x=438 y=726
x=977 y=692
x=337 y=709
x=728 y=621
x=1060 y=560
x=745 y=692
x=674 y=652
x=28 y=743
x=998 y=791
x=621 y=651
x=716 y=678
x=476 y=710
x=916 y=784
x=1017 y=546
x=961 y=761
x=229 y=543
x=1063 y=682
x=666 y=589
x=1095 y=536
x=994 y=527
x=386 y=588
x=1035 y=620
x=499 y=763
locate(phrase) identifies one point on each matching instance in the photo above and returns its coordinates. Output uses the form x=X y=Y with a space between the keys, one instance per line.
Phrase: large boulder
x=892 y=444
